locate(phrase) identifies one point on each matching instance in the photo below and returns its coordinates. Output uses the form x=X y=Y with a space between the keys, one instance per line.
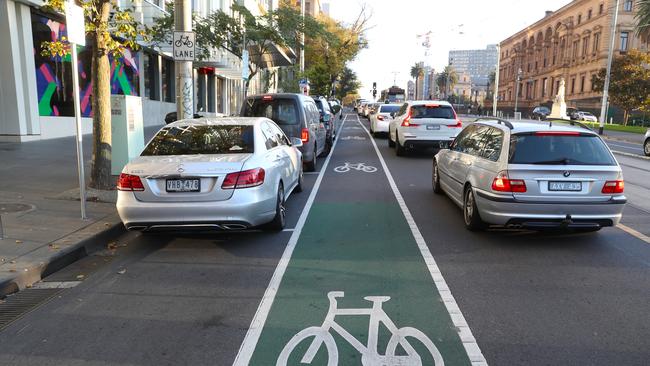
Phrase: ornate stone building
x=570 y=43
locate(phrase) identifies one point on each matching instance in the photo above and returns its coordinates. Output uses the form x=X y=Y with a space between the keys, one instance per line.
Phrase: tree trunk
x=626 y=116
x=101 y=101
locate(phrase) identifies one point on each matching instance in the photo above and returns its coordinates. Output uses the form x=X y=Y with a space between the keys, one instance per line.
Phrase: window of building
x=576 y=47
x=589 y=14
x=211 y=93
x=624 y=40
x=601 y=9
x=585 y=47
x=596 y=42
x=220 y=86
x=150 y=82
x=573 y=85
x=544 y=83
x=582 y=84
x=579 y=18
x=628 y=5
x=167 y=80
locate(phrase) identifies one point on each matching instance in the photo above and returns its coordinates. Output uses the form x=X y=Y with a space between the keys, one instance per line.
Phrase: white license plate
x=433 y=127
x=565 y=186
x=183 y=185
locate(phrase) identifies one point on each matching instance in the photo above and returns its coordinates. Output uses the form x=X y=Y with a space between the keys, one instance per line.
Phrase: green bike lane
x=356 y=240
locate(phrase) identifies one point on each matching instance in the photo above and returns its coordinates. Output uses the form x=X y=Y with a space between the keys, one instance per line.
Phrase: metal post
x=184 y=71
x=77 y=113
x=495 y=96
x=610 y=56
x=517 y=80
x=302 y=38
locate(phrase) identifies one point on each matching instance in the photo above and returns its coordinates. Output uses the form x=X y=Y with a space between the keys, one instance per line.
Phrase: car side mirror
x=392 y=114
x=296 y=142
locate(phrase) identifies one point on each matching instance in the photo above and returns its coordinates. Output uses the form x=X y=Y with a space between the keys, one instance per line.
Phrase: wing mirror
x=296 y=142
x=392 y=114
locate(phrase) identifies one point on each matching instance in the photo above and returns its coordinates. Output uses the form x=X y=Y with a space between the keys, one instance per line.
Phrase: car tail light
x=502 y=183
x=304 y=135
x=380 y=118
x=613 y=187
x=128 y=182
x=406 y=122
x=244 y=179
x=557 y=133
x=459 y=124
x=267 y=97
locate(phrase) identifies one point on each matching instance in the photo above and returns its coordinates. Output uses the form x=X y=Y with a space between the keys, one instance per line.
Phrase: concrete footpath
x=42 y=230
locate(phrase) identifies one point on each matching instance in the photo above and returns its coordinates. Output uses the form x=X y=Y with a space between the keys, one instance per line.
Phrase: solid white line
x=631 y=155
x=469 y=342
x=58 y=284
x=634 y=233
x=255 y=330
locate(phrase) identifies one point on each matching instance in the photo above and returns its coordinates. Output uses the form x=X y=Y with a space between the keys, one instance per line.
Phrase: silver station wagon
x=557 y=174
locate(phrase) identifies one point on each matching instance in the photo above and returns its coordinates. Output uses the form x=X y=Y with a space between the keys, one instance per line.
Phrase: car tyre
x=471 y=217
x=311 y=165
x=400 y=150
x=279 y=220
x=646 y=147
x=435 y=178
x=391 y=143
x=301 y=181
x=328 y=147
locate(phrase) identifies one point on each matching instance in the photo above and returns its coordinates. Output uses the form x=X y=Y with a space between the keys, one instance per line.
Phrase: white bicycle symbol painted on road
x=369 y=354
x=355 y=166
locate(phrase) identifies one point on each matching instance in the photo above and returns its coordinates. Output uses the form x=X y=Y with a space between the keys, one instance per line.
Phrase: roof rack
x=498 y=120
x=569 y=121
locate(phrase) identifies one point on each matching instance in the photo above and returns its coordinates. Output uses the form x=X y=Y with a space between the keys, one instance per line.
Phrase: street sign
x=75 y=23
x=245 y=71
x=303 y=84
x=183 y=46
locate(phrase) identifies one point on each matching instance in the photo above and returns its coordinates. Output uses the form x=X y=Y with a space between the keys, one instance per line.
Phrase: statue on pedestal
x=559 y=105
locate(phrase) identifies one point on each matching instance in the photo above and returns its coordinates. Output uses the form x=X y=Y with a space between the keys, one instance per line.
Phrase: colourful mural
x=54 y=74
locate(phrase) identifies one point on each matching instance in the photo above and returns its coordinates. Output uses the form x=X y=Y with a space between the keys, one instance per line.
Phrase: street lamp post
x=518 y=79
x=495 y=97
x=610 y=56
x=184 y=71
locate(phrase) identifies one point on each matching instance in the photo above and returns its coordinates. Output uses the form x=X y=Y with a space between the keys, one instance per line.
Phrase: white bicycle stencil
x=353 y=128
x=353 y=138
x=355 y=166
x=369 y=354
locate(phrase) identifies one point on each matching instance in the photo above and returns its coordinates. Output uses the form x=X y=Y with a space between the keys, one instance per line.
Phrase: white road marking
x=631 y=155
x=635 y=148
x=255 y=330
x=59 y=284
x=469 y=342
x=362 y=167
x=634 y=233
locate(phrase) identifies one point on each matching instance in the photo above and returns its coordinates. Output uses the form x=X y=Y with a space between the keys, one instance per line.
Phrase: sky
x=456 y=25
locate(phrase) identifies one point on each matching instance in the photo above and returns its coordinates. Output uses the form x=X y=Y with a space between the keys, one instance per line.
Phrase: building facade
x=478 y=64
x=571 y=44
x=36 y=95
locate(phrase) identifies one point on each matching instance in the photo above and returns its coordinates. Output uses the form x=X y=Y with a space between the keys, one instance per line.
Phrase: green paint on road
x=361 y=249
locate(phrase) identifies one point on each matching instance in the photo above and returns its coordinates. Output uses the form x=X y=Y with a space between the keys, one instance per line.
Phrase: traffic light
x=374 y=89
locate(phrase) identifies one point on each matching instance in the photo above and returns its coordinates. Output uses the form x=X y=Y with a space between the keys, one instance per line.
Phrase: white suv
x=423 y=124
x=646 y=143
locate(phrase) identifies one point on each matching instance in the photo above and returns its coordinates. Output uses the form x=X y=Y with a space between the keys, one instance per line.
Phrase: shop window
x=150 y=81
x=167 y=80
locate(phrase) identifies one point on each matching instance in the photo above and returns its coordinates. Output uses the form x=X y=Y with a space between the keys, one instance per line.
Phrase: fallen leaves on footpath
x=122 y=271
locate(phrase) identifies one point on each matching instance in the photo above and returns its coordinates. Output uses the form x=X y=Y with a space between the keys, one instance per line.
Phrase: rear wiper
x=564 y=161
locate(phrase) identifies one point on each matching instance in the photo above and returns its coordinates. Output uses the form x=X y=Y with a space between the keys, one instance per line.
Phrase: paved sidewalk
x=41 y=232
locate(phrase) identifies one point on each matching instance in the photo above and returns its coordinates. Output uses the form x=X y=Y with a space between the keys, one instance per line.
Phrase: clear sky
x=456 y=25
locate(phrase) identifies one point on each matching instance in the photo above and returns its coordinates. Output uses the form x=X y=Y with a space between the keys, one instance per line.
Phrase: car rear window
x=389 y=108
x=582 y=149
x=432 y=111
x=322 y=105
x=281 y=111
x=194 y=140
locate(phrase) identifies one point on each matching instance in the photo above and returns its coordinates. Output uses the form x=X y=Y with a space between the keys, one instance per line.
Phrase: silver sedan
x=226 y=173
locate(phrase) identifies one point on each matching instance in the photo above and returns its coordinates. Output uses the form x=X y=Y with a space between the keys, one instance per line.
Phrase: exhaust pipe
x=137 y=228
x=234 y=226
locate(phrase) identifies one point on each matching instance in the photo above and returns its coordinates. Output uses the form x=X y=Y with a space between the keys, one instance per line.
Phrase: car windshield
x=580 y=149
x=282 y=111
x=389 y=108
x=432 y=111
x=194 y=140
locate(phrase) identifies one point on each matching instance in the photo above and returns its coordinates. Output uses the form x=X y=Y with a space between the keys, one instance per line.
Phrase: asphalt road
x=528 y=298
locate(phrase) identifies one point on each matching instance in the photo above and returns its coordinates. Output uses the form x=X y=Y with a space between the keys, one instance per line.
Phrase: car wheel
x=391 y=143
x=399 y=149
x=301 y=180
x=278 y=222
x=311 y=165
x=435 y=178
x=471 y=217
x=372 y=130
x=646 y=147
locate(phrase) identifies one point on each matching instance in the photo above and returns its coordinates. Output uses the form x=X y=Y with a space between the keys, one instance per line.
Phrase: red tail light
x=304 y=135
x=613 y=187
x=128 y=182
x=380 y=118
x=406 y=122
x=459 y=124
x=502 y=183
x=244 y=179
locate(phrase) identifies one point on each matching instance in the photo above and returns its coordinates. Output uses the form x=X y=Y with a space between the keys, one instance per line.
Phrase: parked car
x=337 y=111
x=423 y=124
x=226 y=173
x=172 y=117
x=540 y=112
x=297 y=115
x=584 y=116
x=361 y=106
x=380 y=119
x=327 y=118
x=646 y=143
x=532 y=176
x=368 y=108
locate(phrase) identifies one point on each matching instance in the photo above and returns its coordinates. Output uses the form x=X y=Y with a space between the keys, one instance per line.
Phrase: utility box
x=127 y=130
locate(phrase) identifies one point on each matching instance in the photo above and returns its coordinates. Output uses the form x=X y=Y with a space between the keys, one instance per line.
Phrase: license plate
x=565 y=186
x=183 y=185
x=433 y=127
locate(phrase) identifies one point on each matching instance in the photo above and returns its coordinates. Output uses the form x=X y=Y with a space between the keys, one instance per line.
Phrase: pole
x=184 y=71
x=495 y=96
x=610 y=56
x=517 y=80
x=302 y=39
x=80 y=151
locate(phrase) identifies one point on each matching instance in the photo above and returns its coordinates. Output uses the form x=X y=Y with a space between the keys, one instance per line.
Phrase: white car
x=223 y=174
x=585 y=116
x=380 y=120
x=646 y=143
x=424 y=124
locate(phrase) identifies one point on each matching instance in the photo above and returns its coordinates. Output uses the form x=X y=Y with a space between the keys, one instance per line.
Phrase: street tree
x=347 y=84
x=642 y=19
x=417 y=72
x=447 y=79
x=109 y=30
x=629 y=86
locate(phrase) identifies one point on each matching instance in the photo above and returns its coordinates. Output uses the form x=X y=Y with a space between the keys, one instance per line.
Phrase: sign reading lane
x=183 y=46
